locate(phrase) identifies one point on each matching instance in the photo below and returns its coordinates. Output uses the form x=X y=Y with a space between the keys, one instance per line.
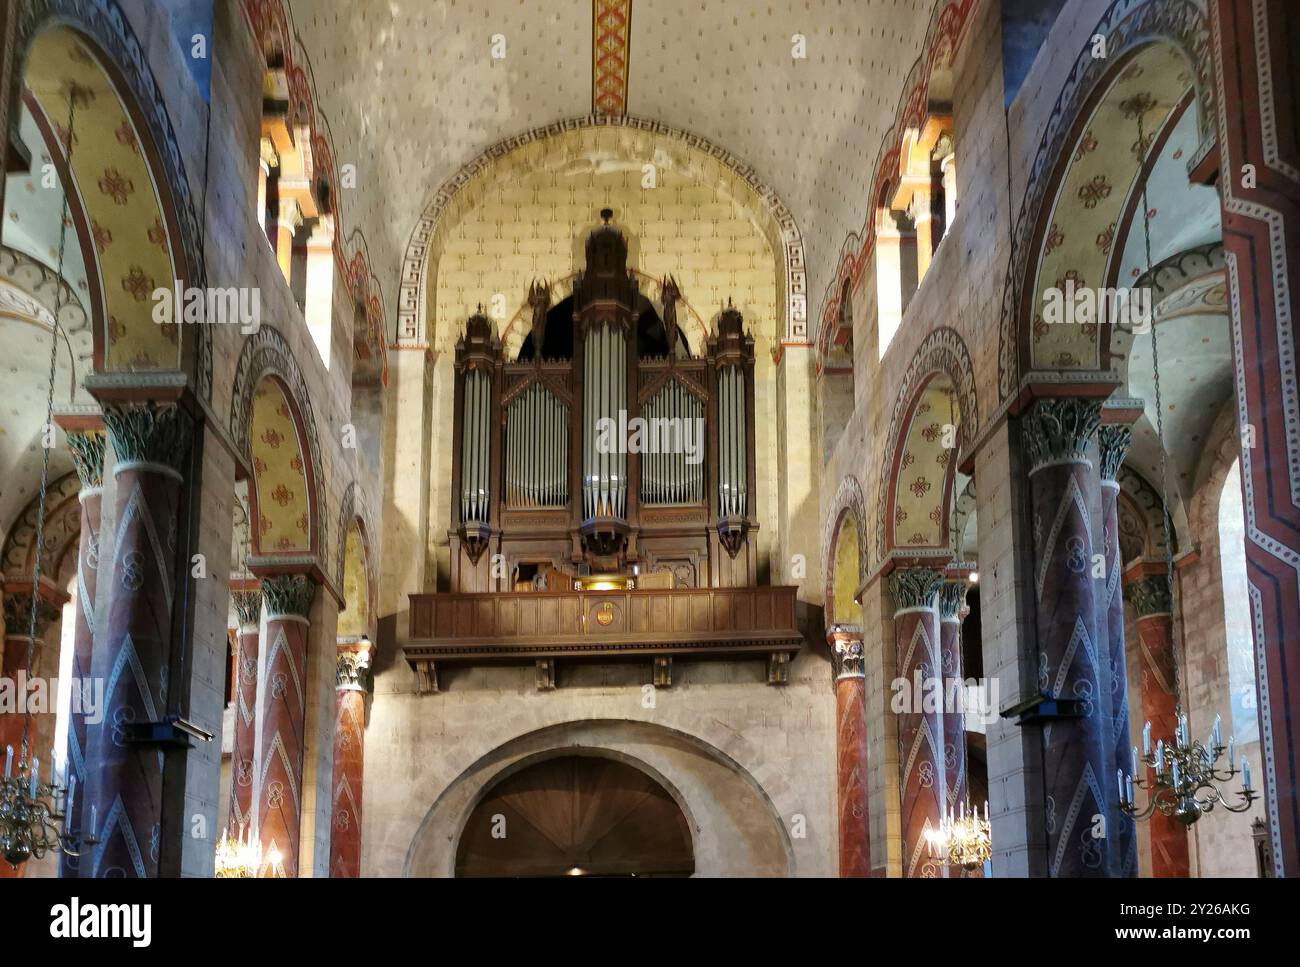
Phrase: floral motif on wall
x=278 y=470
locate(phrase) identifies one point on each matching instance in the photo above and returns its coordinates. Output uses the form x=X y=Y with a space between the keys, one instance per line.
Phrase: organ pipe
x=673 y=417
x=537 y=450
x=476 y=447
x=731 y=442
x=604 y=398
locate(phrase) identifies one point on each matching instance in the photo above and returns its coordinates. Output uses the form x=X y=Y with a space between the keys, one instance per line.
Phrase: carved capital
x=18 y=614
x=289 y=594
x=952 y=600
x=1113 y=440
x=150 y=433
x=352 y=670
x=846 y=647
x=248 y=607
x=1058 y=430
x=915 y=587
x=1150 y=595
x=88 y=454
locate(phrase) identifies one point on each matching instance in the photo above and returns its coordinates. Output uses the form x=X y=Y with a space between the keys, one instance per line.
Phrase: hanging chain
x=1160 y=433
x=49 y=420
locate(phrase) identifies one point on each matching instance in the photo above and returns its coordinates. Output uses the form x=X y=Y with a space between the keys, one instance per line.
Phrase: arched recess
x=566 y=144
x=1077 y=192
x=844 y=551
x=935 y=415
x=355 y=570
x=59 y=533
x=735 y=827
x=272 y=421
x=135 y=219
x=591 y=813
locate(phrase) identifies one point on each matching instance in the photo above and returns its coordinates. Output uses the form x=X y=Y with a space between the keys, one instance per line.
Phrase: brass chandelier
x=962 y=838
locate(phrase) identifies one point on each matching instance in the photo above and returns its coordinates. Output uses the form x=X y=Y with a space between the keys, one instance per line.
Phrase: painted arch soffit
x=1128 y=26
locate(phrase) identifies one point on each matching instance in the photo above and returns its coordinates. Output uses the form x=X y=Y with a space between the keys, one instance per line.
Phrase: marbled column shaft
x=851 y=754
x=88 y=453
x=1112 y=444
x=124 y=778
x=1076 y=755
x=349 y=758
x=284 y=704
x=952 y=600
x=920 y=723
x=248 y=608
x=1151 y=598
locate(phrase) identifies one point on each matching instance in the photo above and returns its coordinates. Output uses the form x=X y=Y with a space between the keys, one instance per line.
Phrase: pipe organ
x=610 y=447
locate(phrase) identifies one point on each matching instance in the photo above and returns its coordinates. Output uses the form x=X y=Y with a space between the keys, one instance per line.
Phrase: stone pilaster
x=1076 y=759
x=131 y=651
x=248 y=609
x=920 y=732
x=1255 y=49
x=952 y=601
x=88 y=455
x=1152 y=603
x=288 y=602
x=851 y=751
x=1112 y=445
x=352 y=681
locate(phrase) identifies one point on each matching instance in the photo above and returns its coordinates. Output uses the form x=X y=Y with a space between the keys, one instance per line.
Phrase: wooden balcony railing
x=543 y=626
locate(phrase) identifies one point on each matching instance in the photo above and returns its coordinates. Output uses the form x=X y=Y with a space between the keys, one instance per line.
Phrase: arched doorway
x=576 y=815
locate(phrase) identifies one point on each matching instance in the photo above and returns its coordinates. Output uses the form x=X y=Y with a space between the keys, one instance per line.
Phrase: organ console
x=603 y=484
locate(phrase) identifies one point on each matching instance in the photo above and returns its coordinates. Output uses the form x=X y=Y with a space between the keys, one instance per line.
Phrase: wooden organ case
x=603 y=486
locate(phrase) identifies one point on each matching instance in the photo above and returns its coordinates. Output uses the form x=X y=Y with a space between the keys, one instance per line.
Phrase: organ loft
x=605 y=482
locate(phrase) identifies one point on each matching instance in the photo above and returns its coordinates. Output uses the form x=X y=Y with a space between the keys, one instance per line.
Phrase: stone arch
x=727 y=831
x=848 y=508
x=778 y=223
x=60 y=531
x=1139 y=518
x=1223 y=450
x=356 y=564
x=270 y=391
x=1133 y=33
x=940 y=374
x=132 y=248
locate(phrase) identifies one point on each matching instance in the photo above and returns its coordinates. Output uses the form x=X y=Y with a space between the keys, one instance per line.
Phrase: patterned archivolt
x=684 y=213
x=354 y=619
x=283 y=499
x=131 y=240
x=1078 y=244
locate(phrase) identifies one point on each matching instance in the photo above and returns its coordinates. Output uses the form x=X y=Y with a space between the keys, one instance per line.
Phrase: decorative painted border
x=1127 y=25
x=266 y=353
x=611 y=43
x=942 y=351
x=354 y=507
x=415 y=260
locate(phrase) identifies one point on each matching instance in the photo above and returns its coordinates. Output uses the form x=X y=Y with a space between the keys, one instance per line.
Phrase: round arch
x=1153 y=35
x=844 y=552
x=271 y=420
x=938 y=388
x=734 y=824
x=459 y=192
x=135 y=218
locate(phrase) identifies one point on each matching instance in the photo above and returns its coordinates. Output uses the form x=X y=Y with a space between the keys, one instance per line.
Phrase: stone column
x=1255 y=48
x=284 y=710
x=1153 y=605
x=88 y=454
x=124 y=775
x=1112 y=443
x=248 y=608
x=286 y=227
x=952 y=604
x=1077 y=764
x=18 y=644
x=851 y=751
x=351 y=683
x=920 y=732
